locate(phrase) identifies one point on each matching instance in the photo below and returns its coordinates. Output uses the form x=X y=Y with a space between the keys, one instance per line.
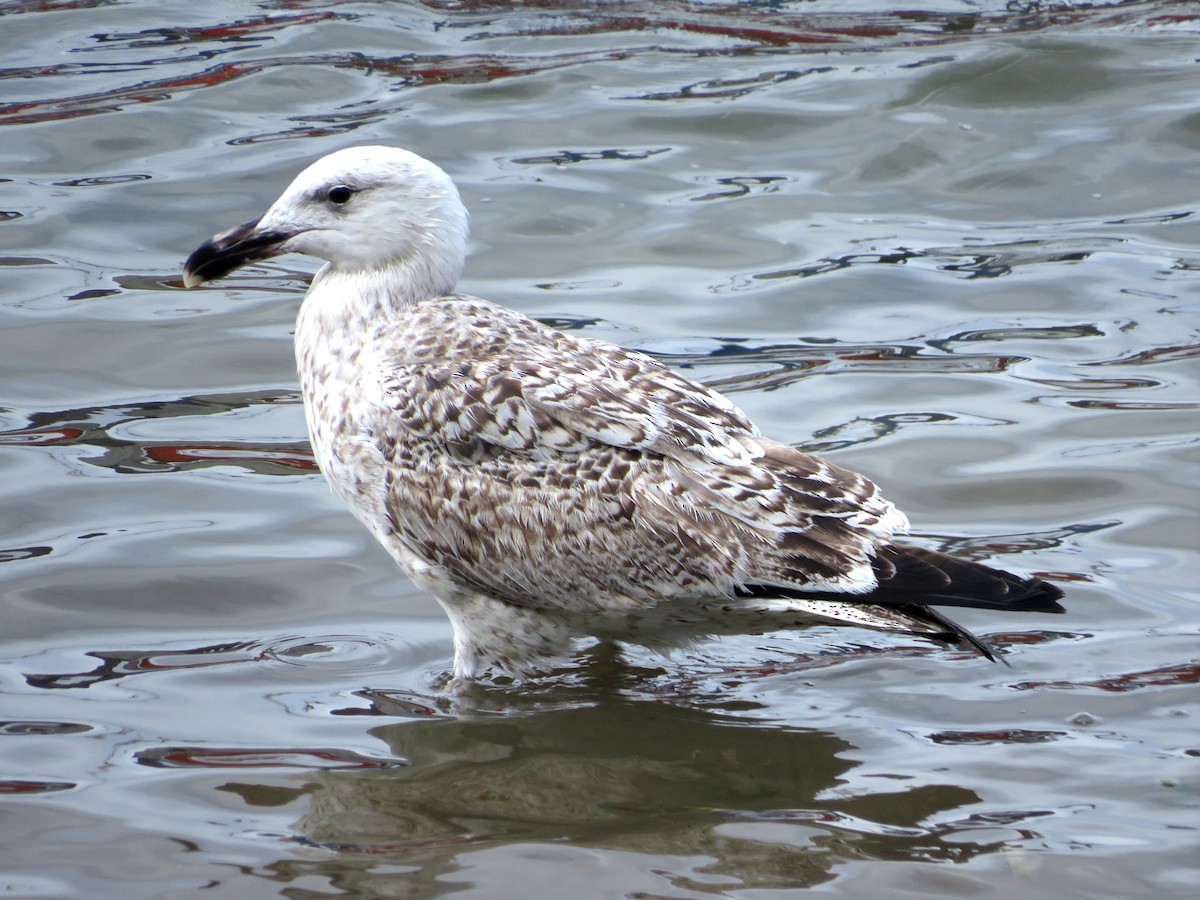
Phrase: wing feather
x=543 y=392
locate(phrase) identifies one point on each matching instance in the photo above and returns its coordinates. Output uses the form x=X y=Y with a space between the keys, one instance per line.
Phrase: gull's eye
x=340 y=194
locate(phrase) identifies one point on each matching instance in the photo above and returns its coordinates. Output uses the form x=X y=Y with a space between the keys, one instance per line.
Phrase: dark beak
x=230 y=250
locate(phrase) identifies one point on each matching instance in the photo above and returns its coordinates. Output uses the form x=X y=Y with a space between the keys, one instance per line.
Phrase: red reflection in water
x=253 y=27
x=1164 y=676
x=746 y=29
x=34 y=787
x=41 y=437
x=175 y=453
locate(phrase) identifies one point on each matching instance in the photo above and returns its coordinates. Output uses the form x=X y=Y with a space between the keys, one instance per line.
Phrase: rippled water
x=956 y=249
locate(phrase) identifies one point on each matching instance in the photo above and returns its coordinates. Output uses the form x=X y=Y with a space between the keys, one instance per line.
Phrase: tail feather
x=929 y=578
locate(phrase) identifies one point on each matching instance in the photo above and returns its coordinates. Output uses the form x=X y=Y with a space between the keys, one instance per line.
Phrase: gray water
x=956 y=250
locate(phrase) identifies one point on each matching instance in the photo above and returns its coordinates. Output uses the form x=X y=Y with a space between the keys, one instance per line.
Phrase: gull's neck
x=343 y=304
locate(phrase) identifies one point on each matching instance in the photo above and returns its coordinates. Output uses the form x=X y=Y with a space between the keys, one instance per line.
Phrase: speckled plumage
x=545 y=486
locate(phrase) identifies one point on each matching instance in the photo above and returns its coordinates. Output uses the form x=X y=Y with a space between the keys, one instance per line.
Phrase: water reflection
x=345 y=652
x=114 y=665
x=975 y=259
x=96 y=428
x=1166 y=675
x=752 y=802
x=207 y=757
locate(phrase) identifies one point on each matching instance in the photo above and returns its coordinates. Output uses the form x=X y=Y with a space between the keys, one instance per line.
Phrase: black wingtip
x=954 y=633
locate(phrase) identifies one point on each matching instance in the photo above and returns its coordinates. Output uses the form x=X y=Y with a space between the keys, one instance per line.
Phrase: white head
x=379 y=211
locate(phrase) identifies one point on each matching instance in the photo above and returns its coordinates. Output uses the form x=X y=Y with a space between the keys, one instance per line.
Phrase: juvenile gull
x=544 y=486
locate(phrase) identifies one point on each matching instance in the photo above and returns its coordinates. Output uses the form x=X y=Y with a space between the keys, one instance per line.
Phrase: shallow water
x=957 y=250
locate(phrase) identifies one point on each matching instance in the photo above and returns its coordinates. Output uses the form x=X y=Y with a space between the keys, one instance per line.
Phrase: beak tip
x=229 y=250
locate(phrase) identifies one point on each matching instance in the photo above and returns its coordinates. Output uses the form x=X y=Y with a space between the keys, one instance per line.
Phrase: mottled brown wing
x=531 y=389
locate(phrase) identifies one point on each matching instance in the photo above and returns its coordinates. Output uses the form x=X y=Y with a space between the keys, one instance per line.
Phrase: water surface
x=954 y=248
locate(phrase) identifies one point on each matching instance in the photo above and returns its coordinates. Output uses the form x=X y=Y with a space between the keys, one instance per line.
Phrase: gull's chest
x=339 y=423
x=337 y=368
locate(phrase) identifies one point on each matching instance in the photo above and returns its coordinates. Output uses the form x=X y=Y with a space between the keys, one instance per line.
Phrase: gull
x=545 y=487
